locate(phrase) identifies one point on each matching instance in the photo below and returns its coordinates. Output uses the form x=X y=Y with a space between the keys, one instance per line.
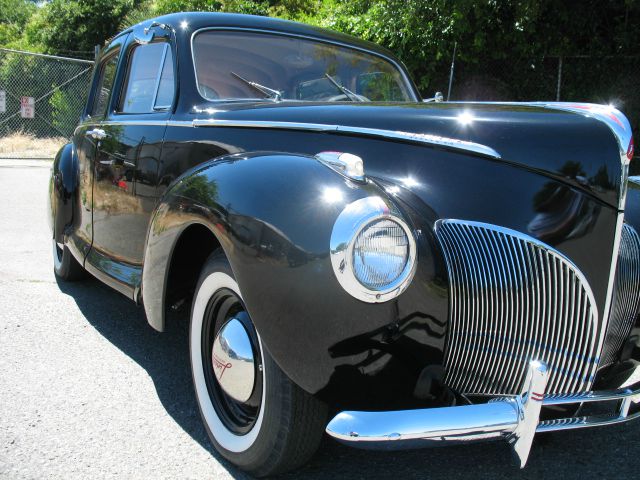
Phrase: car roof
x=199 y=20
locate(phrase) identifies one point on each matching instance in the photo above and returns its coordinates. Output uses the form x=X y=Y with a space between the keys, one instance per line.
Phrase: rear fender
x=63 y=186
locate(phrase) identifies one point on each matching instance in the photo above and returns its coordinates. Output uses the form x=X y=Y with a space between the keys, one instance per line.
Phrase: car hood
x=568 y=142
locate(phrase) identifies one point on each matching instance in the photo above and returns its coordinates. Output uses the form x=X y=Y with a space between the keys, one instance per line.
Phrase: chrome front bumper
x=515 y=419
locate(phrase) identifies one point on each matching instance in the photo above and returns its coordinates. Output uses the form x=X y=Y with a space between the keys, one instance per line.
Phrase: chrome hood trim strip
x=423 y=138
x=610 y=116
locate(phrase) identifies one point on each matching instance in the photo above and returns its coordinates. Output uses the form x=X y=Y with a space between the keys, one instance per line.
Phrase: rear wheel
x=254 y=415
x=65 y=266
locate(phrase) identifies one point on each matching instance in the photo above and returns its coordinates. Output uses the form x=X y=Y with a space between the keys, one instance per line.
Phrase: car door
x=86 y=140
x=126 y=161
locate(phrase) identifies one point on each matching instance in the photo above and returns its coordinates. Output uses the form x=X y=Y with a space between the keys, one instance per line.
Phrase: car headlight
x=373 y=250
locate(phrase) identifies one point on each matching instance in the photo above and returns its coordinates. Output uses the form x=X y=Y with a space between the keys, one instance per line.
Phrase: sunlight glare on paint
x=332 y=195
x=465 y=118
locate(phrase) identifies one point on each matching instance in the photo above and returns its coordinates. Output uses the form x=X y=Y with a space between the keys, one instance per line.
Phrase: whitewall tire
x=254 y=415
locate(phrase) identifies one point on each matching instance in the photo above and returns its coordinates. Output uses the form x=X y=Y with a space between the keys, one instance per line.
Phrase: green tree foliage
x=68 y=26
x=14 y=15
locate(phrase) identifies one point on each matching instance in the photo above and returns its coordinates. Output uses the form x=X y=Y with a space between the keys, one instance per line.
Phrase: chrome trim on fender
x=423 y=138
x=515 y=419
x=353 y=220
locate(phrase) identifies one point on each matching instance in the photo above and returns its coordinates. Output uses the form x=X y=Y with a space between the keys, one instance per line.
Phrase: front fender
x=273 y=215
x=63 y=186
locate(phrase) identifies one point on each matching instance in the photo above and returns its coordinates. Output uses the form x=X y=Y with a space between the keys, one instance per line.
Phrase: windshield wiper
x=266 y=91
x=347 y=93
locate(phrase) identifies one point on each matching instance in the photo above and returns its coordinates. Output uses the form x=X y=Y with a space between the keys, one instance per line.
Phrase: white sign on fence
x=27 y=107
x=3 y=101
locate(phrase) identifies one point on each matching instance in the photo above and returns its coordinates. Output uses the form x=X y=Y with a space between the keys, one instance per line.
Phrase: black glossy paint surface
x=263 y=197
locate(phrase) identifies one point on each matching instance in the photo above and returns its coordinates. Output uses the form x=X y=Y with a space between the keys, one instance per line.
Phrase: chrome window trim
x=125 y=83
x=408 y=84
x=354 y=219
x=424 y=138
x=154 y=106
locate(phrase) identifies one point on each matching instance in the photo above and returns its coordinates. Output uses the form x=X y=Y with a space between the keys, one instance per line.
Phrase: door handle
x=96 y=133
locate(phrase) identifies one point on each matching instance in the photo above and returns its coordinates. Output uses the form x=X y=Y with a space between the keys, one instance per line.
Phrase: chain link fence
x=41 y=100
x=42 y=96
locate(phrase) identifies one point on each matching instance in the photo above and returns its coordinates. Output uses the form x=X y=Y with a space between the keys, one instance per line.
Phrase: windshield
x=232 y=65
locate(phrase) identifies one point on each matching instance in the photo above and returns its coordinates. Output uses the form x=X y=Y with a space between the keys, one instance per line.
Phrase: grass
x=26 y=145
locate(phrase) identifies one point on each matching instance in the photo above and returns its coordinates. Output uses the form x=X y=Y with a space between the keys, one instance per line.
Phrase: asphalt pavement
x=89 y=390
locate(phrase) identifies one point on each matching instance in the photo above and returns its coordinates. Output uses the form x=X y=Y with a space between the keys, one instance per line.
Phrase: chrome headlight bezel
x=356 y=217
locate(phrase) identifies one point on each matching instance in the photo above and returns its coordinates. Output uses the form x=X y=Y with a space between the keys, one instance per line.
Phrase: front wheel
x=255 y=416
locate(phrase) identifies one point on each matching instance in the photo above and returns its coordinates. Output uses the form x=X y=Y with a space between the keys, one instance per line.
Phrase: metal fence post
x=453 y=65
x=559 y=79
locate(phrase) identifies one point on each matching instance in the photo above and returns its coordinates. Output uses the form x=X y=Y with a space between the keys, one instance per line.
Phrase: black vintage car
x=395 y=272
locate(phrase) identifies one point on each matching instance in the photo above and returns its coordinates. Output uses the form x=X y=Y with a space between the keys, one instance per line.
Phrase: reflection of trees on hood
x=552 y=190
x=601 y=179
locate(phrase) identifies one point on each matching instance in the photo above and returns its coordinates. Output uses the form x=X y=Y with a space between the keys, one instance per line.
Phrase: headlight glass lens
x=380 y=254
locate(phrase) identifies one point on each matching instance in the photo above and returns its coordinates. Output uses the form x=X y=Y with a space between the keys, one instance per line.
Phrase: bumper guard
x=515 y=419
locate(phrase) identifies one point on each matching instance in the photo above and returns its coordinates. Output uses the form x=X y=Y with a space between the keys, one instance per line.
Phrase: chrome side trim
x=515 y=419
x=423 y=138
x=606 y=317
x=513 y=299
x=426 y=139
x=625 y=305
x=354 y=219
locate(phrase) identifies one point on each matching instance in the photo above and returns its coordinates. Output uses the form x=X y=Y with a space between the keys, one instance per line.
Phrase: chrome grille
x=513 y=299
x=626 y=295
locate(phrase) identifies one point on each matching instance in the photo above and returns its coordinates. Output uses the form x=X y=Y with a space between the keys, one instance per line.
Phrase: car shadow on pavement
x=165 y=357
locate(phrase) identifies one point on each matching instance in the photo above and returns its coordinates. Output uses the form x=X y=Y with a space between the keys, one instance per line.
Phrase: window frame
x=91 y=104
x=126 y=70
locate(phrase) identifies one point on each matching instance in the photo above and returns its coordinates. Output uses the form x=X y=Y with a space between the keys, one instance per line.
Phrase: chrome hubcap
x=233 y=361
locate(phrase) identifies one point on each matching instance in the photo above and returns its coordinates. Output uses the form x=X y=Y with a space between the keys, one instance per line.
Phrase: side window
x=166 y=87
x=150 y=79
x=105 y=85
